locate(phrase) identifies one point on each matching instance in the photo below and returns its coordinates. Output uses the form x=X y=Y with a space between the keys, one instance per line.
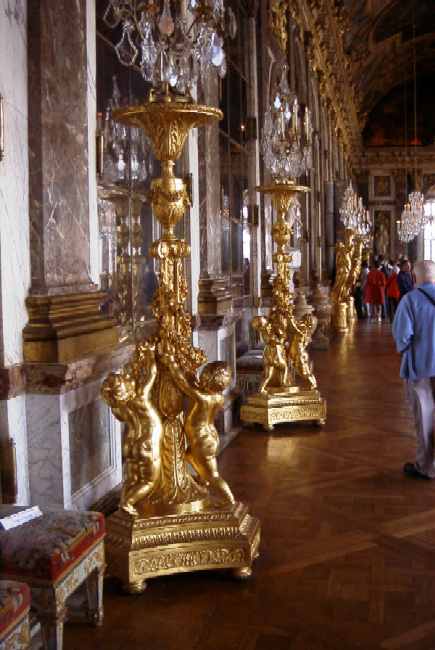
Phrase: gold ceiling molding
x=397 y=158
x=322 y=25
x=279 y=23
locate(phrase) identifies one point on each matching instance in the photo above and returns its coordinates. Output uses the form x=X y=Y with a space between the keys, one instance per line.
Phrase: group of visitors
x=382 y=286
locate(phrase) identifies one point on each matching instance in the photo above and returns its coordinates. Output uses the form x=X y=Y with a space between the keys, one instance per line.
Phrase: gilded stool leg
x=94 y=588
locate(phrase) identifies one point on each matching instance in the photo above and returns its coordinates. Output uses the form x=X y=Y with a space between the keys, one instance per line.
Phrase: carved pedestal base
x=148 y=547
x=271 y=409
x=339 y=317
x=351 y=311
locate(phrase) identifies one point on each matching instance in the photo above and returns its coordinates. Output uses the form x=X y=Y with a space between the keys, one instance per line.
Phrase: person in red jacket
x=375 y=290
x=393 y=294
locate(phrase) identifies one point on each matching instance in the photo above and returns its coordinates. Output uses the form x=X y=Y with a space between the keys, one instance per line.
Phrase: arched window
x=429 y=231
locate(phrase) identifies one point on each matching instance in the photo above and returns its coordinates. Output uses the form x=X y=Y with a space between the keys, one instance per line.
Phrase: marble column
x=74 y=454
x=59 y=202
x=64 y=306
x=330 y=228
x=214 y=298
x=14 y=249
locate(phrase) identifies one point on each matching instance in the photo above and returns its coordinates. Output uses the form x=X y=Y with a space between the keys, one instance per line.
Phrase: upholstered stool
x=55 y=554
x=14 y=615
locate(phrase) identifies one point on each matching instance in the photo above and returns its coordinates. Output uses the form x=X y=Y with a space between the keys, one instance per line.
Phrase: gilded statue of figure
x=276 y=372
x=357 y=255
x=206 y=400
x=343 y=262
x=297 y=352
x=128 y=393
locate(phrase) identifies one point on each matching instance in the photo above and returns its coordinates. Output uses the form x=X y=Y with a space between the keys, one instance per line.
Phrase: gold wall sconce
x=2 y=128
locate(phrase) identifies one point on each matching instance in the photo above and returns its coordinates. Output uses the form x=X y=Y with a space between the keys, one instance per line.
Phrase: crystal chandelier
x=354 y=215
x=126 y=154
x=413 y=217
x=364 y=225
x=407 y=227
x=172 y=48
x=287 y=134
x=349 y=207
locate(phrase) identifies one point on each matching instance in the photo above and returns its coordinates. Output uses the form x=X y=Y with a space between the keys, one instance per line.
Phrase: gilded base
x=268 y=410
x=340 y=317
x=148 y=547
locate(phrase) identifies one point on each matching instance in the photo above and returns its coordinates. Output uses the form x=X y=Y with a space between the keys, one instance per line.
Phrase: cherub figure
x=276 y=372
x=206 y=399
x=129 y=395
x=298 y=355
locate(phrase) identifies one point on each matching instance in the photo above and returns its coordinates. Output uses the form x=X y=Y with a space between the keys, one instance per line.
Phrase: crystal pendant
x=120 y=167
x=217 y=52
x=222 y=70
x=232 y=24
x=134 y=164
x=126 y=50
x=170 y=73
x=116 y=93
x=149 y=52
x=166 y=22
x=111 y=16
x=283 y=84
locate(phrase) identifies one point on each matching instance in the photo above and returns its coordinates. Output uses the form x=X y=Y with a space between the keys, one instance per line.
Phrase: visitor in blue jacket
x=414 y=333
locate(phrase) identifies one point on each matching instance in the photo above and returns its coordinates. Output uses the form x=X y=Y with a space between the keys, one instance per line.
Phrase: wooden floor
x=348 y=551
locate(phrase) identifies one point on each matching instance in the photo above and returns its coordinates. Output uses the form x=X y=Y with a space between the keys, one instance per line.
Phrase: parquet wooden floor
x=348 y=551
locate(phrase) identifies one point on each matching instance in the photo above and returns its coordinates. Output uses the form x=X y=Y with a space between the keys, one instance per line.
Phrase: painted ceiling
x=380 y=42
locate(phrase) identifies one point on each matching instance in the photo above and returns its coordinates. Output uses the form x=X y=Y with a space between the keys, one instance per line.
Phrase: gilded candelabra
x=285 y=338
x=176 y=513
x=349 y=256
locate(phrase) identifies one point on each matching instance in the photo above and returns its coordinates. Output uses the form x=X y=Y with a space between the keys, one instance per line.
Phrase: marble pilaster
x=58 y=140
x=330 y=229
x=14 y=229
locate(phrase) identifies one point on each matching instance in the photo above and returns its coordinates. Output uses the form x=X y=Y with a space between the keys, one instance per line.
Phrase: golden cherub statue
x=297 y=353
x=128 y=393
x=276 y=371
x=206 y=400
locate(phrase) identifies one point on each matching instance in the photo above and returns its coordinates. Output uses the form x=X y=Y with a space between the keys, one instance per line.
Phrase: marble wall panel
x=89 y=441
x=74 y=448
x=59 y=181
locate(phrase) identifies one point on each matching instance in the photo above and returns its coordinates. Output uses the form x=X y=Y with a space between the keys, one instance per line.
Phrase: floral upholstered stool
x=55 y=554
x=14 y=615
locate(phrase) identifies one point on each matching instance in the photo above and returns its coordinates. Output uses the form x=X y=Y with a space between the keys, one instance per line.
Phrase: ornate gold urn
x=285 y=338
x=177 y=513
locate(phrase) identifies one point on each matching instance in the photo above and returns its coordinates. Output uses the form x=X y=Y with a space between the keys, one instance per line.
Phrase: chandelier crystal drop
x=287 y=134
x=172 y=48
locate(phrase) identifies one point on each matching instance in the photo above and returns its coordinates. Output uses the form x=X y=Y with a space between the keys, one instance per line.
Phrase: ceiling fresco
x=386 y=124
x=379 y=42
